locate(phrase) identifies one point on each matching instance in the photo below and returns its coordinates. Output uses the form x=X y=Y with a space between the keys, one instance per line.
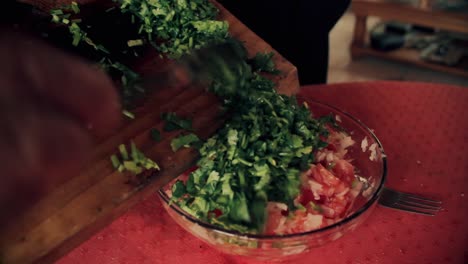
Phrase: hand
x=51 y=104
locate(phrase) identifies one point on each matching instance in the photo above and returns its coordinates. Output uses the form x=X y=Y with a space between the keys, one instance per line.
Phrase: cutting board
x=80 y=207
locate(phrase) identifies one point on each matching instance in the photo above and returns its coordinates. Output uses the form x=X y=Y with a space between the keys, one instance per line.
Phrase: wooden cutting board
x=79 y=208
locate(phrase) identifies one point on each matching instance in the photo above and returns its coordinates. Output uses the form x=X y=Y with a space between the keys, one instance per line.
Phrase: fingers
x=40 y=150
x=62 y=153
x=63 y=81
x=48 y=103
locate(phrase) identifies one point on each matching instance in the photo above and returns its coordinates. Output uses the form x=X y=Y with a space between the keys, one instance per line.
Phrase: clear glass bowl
x=280 y=247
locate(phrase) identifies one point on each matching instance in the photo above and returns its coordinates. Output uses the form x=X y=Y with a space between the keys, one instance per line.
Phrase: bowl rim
x=343 y=221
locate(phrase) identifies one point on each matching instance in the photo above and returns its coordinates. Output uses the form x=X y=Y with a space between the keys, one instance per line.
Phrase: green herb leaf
x=241 y=212
x=128 y=114
x=178 y=189
x=263 y=62
x=123 y=152
x=184 y=141
x=259 y=155
x=115 y=161
x=155 y=135
x=135 y=163
x=173 y=122
x=134 y=43
x=181 y=25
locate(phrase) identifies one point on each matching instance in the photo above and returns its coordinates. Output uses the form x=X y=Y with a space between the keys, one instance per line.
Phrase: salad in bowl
x=280 y=179
x=284 y=174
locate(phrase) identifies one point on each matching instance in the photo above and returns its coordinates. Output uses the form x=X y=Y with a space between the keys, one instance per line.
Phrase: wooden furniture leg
x=359 y=37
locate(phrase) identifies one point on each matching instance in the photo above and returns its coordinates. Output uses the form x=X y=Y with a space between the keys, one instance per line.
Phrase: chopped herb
x=315 y=207
x=173 y=122
x=110 y=9
x=128 y=114
x=301 y=208
x=123 y=151
x=181 y=25
x=78 y=34
x=155 y=135
x=115 y=161
x=263 y=62
x=184 y=141
x=74 y=7
x=135 y=163
x=258 y=156
x=56 y=12
x=129 y=80
x=178 y=189
x=134 y=43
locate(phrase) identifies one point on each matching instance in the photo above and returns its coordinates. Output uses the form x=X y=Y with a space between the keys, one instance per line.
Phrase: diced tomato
x=273 y=220
x=306 y=196
x=342 y=187
x=215 y=213
x=324 y=176
x=300 y=213
x=297 y=224
x=335 y=207
x=331 y=129
x=344 y=170
x=331 y=147
x=324 y=163
x=323 y=199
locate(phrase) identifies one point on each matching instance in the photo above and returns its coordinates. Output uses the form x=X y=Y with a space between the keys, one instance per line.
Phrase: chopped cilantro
x=128 y=114
x=257 y=156
x=75 y=8
x=129 y=80
x=184 y=141
x=115 y=161
x=315 y=207
x=155 y=135
x=180 y=25
x=178 y=189
x=135 y=162
x=173 y=122
x=263 y=62
x=136 y=42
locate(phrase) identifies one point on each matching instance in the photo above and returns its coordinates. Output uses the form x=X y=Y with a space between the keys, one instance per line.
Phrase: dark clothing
x=297 y=29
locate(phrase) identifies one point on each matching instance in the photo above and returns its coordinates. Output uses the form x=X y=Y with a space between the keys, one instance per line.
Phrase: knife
x=201 y=66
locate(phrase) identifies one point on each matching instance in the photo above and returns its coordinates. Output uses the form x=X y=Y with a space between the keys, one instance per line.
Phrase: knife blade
x=203 y=65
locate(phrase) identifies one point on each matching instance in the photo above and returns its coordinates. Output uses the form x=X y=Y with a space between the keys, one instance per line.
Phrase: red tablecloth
x=424 y=131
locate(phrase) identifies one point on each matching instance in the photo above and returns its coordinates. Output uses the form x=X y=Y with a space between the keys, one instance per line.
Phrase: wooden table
x=418 y=12
x=82 y=206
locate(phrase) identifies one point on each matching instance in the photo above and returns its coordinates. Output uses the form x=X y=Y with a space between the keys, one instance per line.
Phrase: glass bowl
x=370 y=165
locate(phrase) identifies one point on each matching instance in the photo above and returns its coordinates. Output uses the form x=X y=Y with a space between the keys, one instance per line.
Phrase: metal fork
x=409 y=202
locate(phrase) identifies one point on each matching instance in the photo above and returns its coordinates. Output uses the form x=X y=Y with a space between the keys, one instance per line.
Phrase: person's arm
x=50 y=106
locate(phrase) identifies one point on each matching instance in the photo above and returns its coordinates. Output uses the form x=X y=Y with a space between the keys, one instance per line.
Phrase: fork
x=409 y=202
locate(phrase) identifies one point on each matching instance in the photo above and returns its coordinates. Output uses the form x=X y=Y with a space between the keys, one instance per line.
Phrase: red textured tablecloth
x=424 y=131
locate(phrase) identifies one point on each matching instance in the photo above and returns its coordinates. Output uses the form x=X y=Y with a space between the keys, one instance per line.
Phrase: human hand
x=51 y=105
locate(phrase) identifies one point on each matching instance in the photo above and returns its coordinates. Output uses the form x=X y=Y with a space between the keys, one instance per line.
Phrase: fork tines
x=410 y=202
